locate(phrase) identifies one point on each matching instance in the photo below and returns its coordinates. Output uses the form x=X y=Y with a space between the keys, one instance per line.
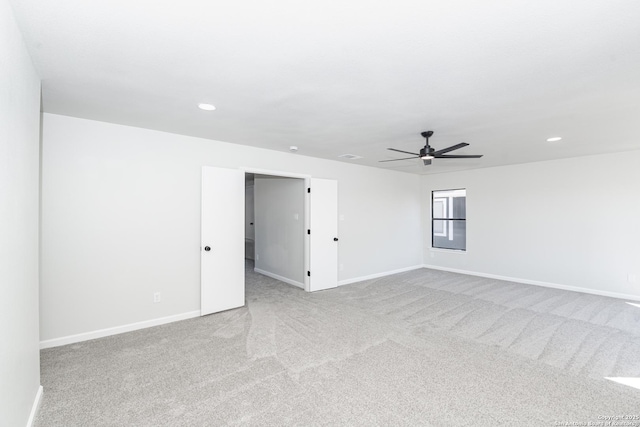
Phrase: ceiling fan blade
x=470 y=156
x=400 y=151
x=446 y=150
x=426 y=162
x=393 y=160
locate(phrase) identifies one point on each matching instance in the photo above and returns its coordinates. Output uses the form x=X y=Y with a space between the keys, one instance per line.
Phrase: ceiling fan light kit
x=427 y=153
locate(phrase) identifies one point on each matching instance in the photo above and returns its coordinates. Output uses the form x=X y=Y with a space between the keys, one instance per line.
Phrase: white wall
x=19 y=181
x=279 y=227
x=572 y=223
x=121 y=220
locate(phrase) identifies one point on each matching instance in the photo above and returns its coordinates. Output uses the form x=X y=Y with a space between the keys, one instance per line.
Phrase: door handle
x=207 y=248
x=335 y=239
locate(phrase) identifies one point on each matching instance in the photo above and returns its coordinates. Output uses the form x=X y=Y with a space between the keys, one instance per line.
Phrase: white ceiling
x=339 y=76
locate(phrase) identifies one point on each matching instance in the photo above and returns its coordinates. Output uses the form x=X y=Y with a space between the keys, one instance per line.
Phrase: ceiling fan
x=428 y=153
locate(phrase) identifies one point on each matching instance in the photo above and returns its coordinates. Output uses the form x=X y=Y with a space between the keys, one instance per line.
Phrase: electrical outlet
x=257 y=257
x=157 y=297
x=632 y=278
x=341 y=267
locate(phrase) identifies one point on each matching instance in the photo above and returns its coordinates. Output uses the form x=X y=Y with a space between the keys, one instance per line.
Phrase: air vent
x=349 y=156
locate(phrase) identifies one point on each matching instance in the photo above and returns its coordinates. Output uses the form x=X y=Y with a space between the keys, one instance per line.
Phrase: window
x=449 y=219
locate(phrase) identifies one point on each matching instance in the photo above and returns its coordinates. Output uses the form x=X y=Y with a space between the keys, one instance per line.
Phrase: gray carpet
x=423 y=348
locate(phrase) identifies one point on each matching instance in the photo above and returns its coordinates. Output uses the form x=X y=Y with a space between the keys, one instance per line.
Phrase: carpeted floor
x=424 y=348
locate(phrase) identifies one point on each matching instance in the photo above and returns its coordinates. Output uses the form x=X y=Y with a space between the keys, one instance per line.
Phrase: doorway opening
x=276 y=227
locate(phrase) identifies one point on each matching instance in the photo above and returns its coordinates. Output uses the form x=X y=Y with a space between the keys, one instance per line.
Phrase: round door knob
x=335 y=239
x=207 y=248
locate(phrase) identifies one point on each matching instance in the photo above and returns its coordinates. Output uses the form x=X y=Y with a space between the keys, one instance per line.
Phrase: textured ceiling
x=336 y=77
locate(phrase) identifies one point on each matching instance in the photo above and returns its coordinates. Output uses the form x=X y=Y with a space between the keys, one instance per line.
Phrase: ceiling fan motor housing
x=426 y=151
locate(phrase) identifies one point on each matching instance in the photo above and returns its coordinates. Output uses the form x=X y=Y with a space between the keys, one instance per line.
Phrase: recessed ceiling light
x=206 y=107
x=554 y=139
x=349 y=156
x=293 y=148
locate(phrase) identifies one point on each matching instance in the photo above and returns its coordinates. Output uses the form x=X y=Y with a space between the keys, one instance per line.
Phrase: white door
x=222 y=240
x=324 y=234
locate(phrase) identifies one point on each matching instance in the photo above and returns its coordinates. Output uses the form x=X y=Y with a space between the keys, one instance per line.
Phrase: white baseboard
x=280 y=278
x=85 y=336
x=377 y=275
x=538 y=283
x=36 y=407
